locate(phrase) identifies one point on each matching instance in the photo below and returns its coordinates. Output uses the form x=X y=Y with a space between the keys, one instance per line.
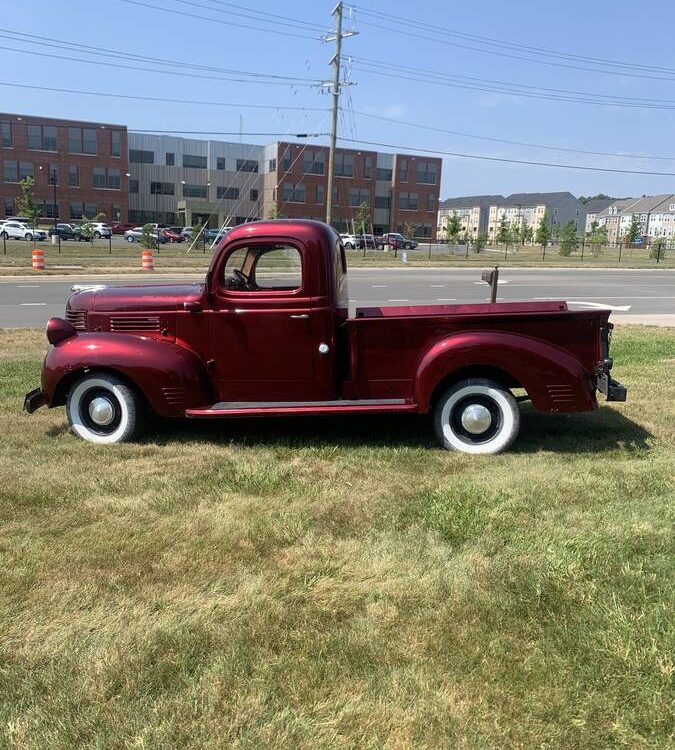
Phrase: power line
x=509 y=142
x=162 y=131
x=163 y=72
x=106 y=52
x=217 y=20
x=172 y=100
x=447 y=32
x=412 y=149
x=512 y=45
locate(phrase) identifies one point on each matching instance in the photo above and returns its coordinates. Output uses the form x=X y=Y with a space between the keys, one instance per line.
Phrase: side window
x=263 y=268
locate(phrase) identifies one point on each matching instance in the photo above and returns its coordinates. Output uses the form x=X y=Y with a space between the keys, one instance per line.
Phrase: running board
x=302 y=408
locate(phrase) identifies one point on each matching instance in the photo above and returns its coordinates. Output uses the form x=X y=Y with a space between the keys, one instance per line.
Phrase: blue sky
x=618 y=31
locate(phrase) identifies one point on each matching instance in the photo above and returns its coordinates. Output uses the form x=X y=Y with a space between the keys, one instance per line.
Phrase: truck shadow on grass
x=604 y=430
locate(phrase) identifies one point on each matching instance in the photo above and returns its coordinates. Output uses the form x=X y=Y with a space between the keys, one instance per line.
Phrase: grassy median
x=340 y=583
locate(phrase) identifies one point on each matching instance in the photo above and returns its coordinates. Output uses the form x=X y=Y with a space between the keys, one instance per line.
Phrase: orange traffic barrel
x=38 y=260
x=147 y=260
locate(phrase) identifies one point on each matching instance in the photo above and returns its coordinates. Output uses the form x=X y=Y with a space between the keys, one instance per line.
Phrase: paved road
x=26 y=302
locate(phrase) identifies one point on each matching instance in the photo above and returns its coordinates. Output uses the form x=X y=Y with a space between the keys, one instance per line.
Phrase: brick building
x=87 y=163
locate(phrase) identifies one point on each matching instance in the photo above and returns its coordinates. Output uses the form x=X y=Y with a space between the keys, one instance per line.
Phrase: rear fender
x=171 y=377
x=554 y=379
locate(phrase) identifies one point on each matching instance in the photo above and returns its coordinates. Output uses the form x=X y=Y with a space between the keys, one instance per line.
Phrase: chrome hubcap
x=476 y=419
x=101 y=411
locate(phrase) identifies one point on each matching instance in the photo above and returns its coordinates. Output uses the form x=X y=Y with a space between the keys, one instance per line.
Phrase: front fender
x=554 y=379
x=171 y=377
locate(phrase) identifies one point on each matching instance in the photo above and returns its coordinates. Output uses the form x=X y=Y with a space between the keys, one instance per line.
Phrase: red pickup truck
x=271 y=332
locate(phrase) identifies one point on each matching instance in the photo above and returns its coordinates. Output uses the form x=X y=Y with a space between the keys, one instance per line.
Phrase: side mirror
x=192 y=307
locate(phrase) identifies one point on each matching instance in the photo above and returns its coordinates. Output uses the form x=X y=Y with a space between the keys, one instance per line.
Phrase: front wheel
x=130 y=240
x=102 y=409
x=97 y=235
x=477 y=416
x=28 y=237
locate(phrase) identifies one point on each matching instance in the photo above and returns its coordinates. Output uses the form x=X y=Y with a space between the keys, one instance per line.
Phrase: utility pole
x=335 y=91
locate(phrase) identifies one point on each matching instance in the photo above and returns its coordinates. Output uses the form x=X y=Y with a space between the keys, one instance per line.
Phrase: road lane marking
x=398 y=300
x=501 y=281
x=27 y=286
x=379 y=286
x=436 y=286
x=599 y=305
x=446 y=299
x=33 y=304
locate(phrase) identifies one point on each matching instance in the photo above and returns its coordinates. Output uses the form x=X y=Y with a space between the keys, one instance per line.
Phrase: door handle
x=304 y=316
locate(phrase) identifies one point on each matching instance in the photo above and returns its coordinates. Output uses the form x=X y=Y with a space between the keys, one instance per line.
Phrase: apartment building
x=80 y=168
x=531 y=208
x=619 y=215
x=662 y=219
x=400 y=190
x=472 y=211
x=183 y=181
x=593 y=209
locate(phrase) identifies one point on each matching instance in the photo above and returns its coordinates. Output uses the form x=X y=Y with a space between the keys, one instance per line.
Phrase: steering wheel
x=241 y=278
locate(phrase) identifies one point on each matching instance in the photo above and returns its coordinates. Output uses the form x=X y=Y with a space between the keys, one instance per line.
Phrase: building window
x=50 y=210
x=54 y=174
x=403 y=170
x=11 y=171
x=367 y=167
x=383 y=174
x=357 y=196
x=9 y=207
x=26 y=169
x=170 y=160
x=6 y=131
x=344 y=164
x=427 y=172
x=81 y=140
x=227 y=193
x=193 y=161
x=113 y=179
x=115 y=143
x=133 y=186
x=408 y=201
x=272 y=165
x=320 y=195
x=253 y=195
x=286 y=160
x=138 y=156
x=98 y=178
x=220 y=162
x=73 y=176
x=116 y=213
x=42 y=138
x=313 y=162
x=294 y=193
x=431 y=202
x=336 y=195
x=162 y=188
x=90 y=210
x=75 y=210
x=247 y=165
x=382 y=201
x=194 y=191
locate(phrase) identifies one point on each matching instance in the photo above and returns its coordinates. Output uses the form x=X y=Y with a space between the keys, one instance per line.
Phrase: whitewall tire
x=477 y=416
x=103 y=409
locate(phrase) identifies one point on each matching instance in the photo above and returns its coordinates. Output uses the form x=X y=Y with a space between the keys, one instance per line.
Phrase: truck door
x=260 y=335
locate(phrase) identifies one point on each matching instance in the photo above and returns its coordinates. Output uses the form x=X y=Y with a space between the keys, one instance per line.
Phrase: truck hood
x=150 y=297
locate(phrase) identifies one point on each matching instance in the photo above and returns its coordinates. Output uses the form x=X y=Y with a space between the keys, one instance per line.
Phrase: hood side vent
x=78 y=318
x=125 y=323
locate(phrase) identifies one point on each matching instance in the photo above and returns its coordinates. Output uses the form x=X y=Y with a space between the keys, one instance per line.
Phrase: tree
x=568 y=238
x=454 y=227
x=362 y=217
x=273 y=212
x=87 y=228
x=408 y=230
x=503 y=231
x=597 y=238
x=26 y=203
x=634 y=229
x=525 y=232
x=588 y=198
x=479 y=241
x=658 y=249
x=543 y=234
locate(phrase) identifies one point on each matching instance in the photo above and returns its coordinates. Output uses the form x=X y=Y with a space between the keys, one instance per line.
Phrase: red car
x=271 y=332
x=122 y=228
x=170 y=235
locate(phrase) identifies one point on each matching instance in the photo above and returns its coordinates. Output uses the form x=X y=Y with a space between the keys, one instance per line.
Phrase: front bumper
x=604 y=382
x=34 y=400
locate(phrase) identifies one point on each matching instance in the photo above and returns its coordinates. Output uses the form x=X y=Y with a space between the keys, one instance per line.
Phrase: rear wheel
x=130 y=239
x=477 y=416
x=103 y=409
x=29 y=237
x=97 y=235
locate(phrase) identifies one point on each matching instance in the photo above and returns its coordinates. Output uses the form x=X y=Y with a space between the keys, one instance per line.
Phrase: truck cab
x=271 y=332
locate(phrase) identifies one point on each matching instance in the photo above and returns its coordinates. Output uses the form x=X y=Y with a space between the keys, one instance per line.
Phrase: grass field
x=330 y=584
x=123 y=258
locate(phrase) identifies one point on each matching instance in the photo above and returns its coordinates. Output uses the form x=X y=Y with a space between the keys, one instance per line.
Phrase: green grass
x=76 y=257
x=340 y=583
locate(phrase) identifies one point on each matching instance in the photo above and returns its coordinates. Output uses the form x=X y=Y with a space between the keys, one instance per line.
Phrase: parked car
x=186 y=232
x=65 y=232
x=100 y=229
x=17 y=230
x=349 y=241
x=134 y=235
x=170 y=235
x=122 y=228
x=396 y=240
x=212 y=236
x=270 y=332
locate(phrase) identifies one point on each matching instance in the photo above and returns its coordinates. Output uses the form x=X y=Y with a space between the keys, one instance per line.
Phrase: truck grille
x=78 y=318
x=134 y=323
